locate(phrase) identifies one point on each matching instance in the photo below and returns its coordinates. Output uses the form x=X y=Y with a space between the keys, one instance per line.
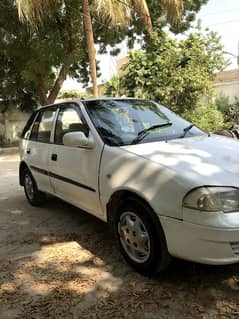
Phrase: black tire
x=158 y=257
x=36 y=197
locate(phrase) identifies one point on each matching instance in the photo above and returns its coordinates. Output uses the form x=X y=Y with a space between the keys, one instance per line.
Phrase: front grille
x=235 y=248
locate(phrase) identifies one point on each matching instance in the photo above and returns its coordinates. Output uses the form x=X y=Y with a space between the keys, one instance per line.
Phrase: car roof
x=87 y=100
x=110 y=98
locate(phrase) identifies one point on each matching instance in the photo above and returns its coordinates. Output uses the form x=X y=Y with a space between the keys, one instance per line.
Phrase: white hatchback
x=165 y=187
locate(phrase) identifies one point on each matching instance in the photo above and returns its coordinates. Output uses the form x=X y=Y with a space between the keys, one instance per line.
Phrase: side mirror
x=77 y=139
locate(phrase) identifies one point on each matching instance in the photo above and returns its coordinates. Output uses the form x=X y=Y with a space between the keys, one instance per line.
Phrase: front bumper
x=206 y=243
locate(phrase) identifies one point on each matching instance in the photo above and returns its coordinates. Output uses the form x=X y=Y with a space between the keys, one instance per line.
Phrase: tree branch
x=66 y=65
x=58 y=83
x=41 y=91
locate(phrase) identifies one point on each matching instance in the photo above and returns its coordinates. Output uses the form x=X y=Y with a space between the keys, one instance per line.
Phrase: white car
x=165 y=187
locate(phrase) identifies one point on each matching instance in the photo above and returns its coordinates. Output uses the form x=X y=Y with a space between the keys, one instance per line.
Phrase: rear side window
x=41 y=130
x=27 y=129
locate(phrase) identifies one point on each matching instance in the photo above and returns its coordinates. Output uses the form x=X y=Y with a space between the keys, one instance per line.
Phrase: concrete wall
x=230 y=89
x=12 y=123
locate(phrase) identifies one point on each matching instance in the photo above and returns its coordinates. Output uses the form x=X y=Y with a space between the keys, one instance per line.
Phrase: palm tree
x=119 y=11
x=90 y=45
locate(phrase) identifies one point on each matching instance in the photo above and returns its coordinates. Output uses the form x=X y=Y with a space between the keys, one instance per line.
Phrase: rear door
x=37 y=148
x=73 y=170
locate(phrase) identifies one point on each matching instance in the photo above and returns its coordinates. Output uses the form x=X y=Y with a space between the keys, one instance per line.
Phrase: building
x=120 y=63
x=227 y=83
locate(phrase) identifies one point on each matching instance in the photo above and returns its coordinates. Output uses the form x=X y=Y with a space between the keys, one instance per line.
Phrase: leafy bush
x=115 y=87
x=176 y=73
x=73 y=94
x=229 y=110
x=70 y=94
x=207 y=118
x=222 y=102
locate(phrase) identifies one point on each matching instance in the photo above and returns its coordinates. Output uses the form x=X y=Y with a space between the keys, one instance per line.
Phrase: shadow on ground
x=62 y=263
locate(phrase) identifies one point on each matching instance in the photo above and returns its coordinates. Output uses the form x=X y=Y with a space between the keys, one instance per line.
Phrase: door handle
x=54 y=157
x=28 y=151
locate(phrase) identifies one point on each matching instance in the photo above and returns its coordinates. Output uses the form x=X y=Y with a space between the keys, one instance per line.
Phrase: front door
x=37 y=148
x=74 y=171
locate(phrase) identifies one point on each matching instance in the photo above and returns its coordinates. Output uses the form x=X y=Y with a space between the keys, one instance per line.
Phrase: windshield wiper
x=187 y=129
x=142 y=134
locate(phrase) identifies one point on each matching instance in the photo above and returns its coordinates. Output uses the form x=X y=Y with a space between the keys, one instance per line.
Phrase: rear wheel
x=33 y=195
x=140 y=237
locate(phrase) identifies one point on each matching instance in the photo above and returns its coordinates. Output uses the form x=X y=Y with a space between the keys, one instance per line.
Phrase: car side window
x=68 y=120
x=27 y=128
x=41 y=130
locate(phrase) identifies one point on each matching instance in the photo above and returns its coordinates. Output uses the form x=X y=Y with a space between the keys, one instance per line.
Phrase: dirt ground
x=59 y=262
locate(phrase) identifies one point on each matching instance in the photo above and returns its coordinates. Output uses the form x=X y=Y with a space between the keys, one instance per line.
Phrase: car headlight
x=213 y=199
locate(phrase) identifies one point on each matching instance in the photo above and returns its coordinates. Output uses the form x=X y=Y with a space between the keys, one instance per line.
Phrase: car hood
x=205 y=160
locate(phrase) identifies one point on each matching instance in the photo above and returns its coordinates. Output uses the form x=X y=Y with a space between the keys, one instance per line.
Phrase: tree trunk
x=42 y=94
x=41 y=91
x=58 y=83
x=90 y=45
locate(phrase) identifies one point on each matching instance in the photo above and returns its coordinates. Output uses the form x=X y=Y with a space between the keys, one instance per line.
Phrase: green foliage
x=229 y=110
x=72 y=94
x=114 y=87
x=108 y=35
x=13 y=87
x=30 y=61
x=176 y=73
x=191 y=7
x=222 y=102
x=207 y=118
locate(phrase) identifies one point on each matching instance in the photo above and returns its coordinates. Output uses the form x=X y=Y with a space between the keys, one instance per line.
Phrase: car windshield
x=131 y=121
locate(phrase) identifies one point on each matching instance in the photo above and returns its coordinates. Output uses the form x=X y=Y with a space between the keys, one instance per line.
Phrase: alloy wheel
x=29 y=186
x=134 y=237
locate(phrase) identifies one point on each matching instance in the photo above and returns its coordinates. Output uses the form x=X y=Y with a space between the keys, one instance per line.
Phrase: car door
x=73 y=170
x=37 y=148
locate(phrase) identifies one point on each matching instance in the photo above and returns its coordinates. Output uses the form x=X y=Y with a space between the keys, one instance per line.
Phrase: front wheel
x=140 y=237
x=33 y=195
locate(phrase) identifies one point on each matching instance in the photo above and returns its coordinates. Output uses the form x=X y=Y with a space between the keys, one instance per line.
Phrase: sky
x=221 y=16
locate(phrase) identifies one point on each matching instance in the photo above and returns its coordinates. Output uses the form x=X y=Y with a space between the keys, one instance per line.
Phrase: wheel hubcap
x=29 y=186
x=134 y=237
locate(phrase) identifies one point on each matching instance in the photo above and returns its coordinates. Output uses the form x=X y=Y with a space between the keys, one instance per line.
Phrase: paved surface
x=59 y=262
